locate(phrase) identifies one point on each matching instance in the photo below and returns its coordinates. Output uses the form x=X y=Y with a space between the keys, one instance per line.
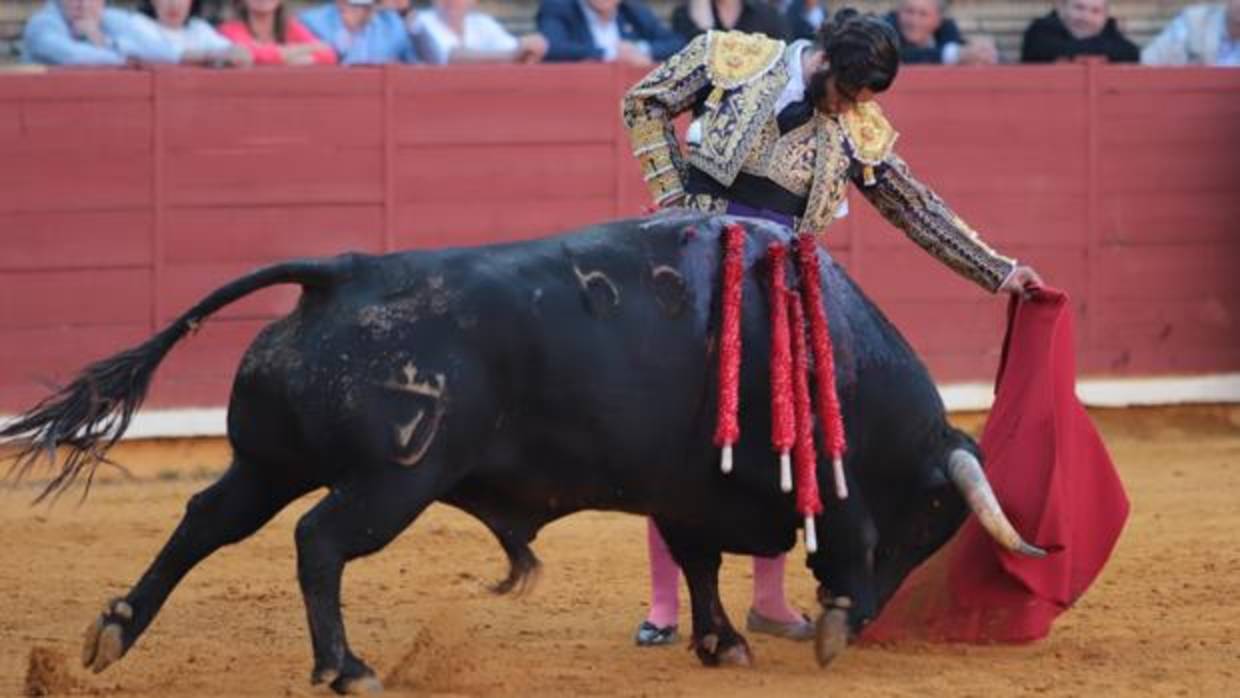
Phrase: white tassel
x=811 y=534
x=785 y=472
x=841 y=486
x=725 y=459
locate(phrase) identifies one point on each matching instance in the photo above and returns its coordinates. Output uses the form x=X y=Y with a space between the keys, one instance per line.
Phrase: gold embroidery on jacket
x=926 y=219
x=870 y=135
x=737 y=57
x=830 y=184
x=648 y=109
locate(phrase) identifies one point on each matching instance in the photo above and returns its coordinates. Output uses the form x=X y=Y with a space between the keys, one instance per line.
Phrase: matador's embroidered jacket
x=733 y=81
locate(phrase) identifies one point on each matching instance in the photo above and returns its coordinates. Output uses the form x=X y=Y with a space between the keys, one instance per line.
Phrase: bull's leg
x=360 y=516
x=231 y=509
x=715 y=640
x=844 y=568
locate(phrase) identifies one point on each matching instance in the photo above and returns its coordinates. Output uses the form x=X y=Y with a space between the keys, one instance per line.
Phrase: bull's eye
x=935 y=503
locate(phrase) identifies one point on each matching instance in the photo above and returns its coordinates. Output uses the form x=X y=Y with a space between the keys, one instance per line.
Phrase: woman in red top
x=274 y=37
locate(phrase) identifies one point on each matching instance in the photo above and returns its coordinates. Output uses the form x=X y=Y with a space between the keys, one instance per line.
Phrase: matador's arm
x=885 y=180
x=648 y=111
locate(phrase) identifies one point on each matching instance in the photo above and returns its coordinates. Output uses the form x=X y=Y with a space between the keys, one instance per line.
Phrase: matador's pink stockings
x=768 y=584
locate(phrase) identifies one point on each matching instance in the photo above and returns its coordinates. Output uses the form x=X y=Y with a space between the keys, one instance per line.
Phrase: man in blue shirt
x=85 y=32
x=360 y=32
x=625 y=31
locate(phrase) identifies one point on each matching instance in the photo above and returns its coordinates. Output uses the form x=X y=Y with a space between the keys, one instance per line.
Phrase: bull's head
x=902 y=537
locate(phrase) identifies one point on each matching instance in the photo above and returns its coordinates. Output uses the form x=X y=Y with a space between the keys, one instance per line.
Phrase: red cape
x=1051 y=472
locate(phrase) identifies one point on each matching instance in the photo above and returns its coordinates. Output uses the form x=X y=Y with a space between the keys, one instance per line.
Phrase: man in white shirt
x=605 y=30
x=86 y=32
x=454 y=31
x=1199 y=35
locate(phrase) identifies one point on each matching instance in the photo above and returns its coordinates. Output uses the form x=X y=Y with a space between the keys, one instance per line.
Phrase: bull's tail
x=89 y=415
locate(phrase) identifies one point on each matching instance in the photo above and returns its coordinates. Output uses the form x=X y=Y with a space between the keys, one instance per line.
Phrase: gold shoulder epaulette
x=870 y=135
x=735 y=58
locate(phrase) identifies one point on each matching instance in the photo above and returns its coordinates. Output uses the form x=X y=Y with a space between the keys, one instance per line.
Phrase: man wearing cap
x=361 y=32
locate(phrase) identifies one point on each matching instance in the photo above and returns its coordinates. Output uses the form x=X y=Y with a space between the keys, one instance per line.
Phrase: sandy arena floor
x=1163 y=620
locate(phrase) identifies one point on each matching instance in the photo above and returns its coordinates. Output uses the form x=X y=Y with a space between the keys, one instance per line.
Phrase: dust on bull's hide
x=415 y=436
x=275 y=350
x=429 y=297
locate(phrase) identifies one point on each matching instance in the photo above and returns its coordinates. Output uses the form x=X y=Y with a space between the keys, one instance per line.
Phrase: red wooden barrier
x=125 y=196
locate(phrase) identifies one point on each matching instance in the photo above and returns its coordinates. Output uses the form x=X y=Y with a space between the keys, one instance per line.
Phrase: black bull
x=522 y=383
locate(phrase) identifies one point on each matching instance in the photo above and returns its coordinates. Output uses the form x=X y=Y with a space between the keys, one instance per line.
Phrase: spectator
x=453 y=31
x=1076 y=28
x=400 y=7
x=197 y=43
x=804 y=17
x=1199 y=35
x=605 y=30
x=361 y=33
x=927 y=36
x=696 y=16
x=86 y=32
x=273 y=37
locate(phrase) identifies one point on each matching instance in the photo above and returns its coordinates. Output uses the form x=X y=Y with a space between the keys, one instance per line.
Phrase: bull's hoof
x=736 y=655
x=352 y=678
x=712 y=650
x=323 y=674
x=831 y=633
x=367 y=684
x=104 y=640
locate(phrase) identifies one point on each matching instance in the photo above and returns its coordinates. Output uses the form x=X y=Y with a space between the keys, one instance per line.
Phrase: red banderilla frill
x=803 y=453
x=783 y=413
x=727 y=426
x=824 y=360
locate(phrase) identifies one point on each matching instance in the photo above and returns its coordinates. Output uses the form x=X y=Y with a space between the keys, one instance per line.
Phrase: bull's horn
x=967 y=473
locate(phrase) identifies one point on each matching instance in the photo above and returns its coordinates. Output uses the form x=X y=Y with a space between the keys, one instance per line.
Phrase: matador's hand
x=1023 y=280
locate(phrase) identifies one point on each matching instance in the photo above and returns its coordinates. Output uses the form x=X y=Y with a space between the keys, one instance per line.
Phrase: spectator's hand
x=1023 y=281
x=980 y=50
x=630 y=53
x=91 y=29
x=531 y=48
x=301 y=54
x=236 y=57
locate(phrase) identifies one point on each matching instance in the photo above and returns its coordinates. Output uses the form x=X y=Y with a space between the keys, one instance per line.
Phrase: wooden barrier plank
x=471 y=105
x=75 y=297
x=74 y=240
x=264 y=234
x=1157 y=169
x=181 y=286
x=110 y=125
x=445 y=224
x=213 y=121
x=1189 y=271
x=100 y=178
x=76 y=85
x=272 y=81
x=1161 y=326
x=469 y=174
x=33 y=357
x=199 y=371
x=297 y=175
x=1182 y=216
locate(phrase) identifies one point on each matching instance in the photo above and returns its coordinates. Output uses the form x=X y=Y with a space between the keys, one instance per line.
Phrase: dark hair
x=861 y=51
x=147 y=7
x=280 y=31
